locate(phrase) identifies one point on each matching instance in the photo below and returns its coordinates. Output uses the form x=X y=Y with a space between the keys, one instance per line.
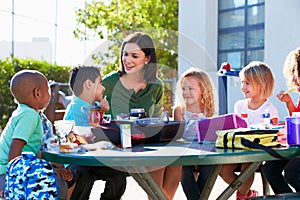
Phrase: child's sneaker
x=251 y=194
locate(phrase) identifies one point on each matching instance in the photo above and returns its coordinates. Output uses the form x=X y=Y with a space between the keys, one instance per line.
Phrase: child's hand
x=284 y=97
x=64 y=173
x=104 y=105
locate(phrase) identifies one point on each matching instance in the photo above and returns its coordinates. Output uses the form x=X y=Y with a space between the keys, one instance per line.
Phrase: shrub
x=8 y=67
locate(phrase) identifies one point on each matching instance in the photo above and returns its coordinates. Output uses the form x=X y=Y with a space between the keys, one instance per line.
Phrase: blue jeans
x=193 y=188
x=273 y=170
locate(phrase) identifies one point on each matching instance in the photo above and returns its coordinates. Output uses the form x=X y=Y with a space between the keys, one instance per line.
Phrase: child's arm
x=274 y=121
x=15 y=148
x=39 y=155
x=57 y=165
x=64 y=173
x=178 y=113
x=61 y=171
x=288 y=100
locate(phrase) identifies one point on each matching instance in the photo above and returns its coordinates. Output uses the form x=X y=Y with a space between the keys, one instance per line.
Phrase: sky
x=36 y=18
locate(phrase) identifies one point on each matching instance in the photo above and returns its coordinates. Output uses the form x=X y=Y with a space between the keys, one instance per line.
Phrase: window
x=241 y=32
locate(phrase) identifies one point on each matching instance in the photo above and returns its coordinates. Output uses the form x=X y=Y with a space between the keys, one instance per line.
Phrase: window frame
x=245 y=29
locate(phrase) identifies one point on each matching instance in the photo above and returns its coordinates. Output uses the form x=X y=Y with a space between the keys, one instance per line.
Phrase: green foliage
x=116 y=19
x=8 y=67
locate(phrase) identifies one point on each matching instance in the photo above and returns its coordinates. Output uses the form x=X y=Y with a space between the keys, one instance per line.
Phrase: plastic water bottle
x=266 y=119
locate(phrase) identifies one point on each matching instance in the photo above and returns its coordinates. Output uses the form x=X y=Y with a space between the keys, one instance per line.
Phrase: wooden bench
x=59 y=114
x=55 y=110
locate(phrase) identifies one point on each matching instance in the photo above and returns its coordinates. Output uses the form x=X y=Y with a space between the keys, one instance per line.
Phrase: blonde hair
x=291 y=67
x=260 y=76
x=206 y=86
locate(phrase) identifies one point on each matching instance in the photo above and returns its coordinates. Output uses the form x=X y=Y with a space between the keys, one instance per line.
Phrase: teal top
x=77 y=110
x=25 y=124
x=121 y=100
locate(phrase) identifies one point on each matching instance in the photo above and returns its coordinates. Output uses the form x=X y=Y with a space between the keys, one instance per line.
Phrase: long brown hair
x=145 y=42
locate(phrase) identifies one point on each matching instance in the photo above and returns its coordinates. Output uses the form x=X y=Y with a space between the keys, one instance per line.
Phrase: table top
x=166 y=154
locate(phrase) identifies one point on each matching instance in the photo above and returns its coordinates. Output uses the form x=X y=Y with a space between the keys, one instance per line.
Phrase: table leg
x=210 y=182
x=145 y=180
x=250 y=169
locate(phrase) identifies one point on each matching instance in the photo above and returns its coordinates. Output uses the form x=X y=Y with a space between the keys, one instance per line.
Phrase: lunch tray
x=140 y=133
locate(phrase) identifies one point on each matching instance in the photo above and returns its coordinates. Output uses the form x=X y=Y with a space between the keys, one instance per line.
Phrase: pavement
x=135 y=192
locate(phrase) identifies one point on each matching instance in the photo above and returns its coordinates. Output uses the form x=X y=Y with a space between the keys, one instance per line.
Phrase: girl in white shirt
x=257 y=84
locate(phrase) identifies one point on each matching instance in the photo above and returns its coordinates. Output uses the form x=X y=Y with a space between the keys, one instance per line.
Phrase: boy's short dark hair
x=24 y=81
x=79 y=74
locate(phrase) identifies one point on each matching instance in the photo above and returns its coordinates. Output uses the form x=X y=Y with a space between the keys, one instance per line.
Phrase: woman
x=136 y=85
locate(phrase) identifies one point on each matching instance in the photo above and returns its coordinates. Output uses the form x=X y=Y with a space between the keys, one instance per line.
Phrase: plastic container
x=125 y=132
x=207 y=127
x=95 y=115
x=137 y=113
x=266 y=119
x=140 y=133
x=293 y=130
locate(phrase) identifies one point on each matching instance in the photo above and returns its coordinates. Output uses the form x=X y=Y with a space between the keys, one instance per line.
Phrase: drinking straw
x=290 y=90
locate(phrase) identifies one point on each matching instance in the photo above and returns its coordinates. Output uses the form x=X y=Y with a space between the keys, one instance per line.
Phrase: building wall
x=281 y=36
x=198 y=42
x=38 y=49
